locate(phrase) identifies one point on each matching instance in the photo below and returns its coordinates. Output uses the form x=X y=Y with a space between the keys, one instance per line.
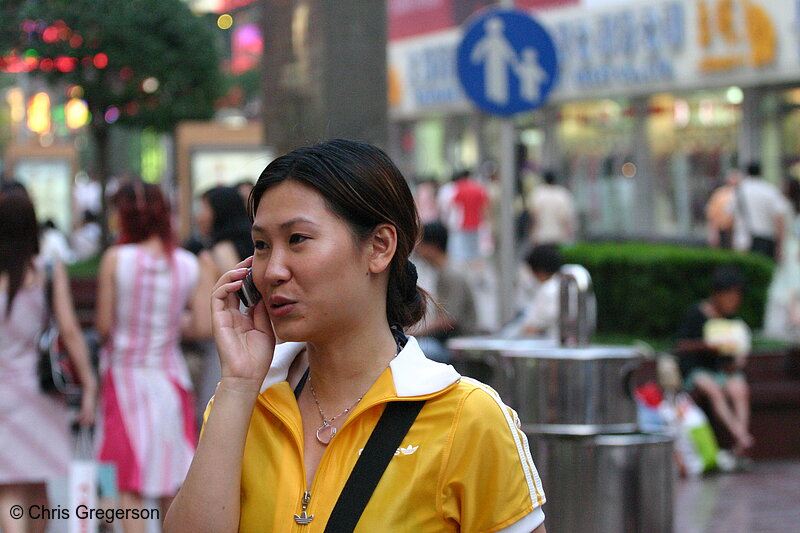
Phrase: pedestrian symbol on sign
x=506 y=62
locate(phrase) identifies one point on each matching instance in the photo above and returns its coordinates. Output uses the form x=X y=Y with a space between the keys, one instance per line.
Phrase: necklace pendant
x=325 y=433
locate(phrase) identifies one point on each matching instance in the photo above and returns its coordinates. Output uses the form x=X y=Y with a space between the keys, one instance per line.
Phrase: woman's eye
x=297 y=238
x=260 y=245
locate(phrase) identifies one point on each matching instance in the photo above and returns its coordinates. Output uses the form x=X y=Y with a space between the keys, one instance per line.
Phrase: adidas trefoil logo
x=407 y=451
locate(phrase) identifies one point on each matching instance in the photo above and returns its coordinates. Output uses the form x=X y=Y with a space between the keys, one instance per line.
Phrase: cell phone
x=248 y=294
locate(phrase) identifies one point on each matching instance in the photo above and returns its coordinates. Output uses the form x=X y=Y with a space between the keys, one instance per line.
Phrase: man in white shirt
x=760 y=213
x=552 y=211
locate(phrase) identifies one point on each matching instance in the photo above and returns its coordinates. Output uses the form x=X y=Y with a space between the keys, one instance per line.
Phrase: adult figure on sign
x=497 y=54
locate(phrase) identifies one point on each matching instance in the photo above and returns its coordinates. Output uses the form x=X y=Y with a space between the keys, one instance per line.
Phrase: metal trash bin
x=576 y=405
x=606 y=483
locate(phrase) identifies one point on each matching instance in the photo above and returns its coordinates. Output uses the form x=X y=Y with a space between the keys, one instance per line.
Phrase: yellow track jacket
x=463 y=466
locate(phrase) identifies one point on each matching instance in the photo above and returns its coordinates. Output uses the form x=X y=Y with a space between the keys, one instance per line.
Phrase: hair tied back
x=410 y=292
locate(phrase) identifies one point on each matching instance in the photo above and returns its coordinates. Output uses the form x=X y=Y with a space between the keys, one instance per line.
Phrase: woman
x=223 y=223
x=145 y=284
x=35 y=444
x=334 y=224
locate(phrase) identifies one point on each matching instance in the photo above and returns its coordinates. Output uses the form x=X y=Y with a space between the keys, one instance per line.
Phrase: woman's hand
x=245 y=342
x=86 y=415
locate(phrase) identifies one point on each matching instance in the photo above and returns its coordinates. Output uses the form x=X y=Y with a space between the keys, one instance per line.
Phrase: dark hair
x=90 y=216
x=754 y=168
x=362 y=186
x=727 y=277
x=13 y=185
x=19 y=238
x=231 y=222
x=143 y=212
x=435 y=233
x=460 y=175
x=545 y=258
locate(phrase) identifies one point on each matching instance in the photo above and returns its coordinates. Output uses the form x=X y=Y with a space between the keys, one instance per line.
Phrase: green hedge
x=86 y=269
x=644 y=289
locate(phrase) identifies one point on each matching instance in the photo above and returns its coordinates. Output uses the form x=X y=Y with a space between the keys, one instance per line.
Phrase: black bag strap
x=300 y=384
x=392 y=427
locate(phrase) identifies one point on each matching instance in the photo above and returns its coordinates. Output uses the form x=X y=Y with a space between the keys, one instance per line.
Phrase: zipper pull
x=303 y=518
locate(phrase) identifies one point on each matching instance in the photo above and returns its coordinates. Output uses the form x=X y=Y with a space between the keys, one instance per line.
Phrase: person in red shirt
x=464 y=204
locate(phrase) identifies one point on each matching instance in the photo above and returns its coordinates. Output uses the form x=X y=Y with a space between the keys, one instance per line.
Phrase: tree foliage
x=143 y=40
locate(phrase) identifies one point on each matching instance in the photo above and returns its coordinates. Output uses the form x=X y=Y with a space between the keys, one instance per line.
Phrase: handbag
x=56 y=372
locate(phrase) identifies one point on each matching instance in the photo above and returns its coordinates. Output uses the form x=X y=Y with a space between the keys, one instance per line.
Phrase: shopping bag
x=82 y=485
x=695 y=443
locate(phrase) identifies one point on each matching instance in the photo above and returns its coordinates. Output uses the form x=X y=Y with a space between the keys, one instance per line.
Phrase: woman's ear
x=382 y=246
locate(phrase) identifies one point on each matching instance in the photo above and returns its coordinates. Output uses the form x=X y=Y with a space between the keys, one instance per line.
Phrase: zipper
x=303 y=519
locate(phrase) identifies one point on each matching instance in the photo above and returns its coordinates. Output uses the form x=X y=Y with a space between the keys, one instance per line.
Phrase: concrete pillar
x=750 y=126
x=642 y=157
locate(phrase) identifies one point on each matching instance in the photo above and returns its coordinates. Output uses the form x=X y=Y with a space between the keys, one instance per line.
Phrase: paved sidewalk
x=765 y=500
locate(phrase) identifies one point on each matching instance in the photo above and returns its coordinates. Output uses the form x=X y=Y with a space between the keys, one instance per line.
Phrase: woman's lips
x=278 y=311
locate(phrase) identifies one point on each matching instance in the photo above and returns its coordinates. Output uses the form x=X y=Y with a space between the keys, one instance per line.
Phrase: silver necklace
x=327 y=430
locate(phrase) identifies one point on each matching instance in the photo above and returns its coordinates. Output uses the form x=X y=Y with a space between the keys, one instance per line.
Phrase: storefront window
x=657 y=161
x=595 y=140
x=693 y=141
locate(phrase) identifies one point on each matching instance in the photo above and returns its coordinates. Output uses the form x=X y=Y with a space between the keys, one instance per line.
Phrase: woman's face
x=307 y=265
x=204 y=218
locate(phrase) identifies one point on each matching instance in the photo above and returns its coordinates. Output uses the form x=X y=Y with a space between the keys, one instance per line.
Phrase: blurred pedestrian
x=35 y=445
x=456 y=314
x=782 y=314
x=334 y=225
x=146 y=285
x=712 y=362
x=86 y=238
x=463 y=206
x=760 y=216
x=552 y=212
x=54 y=245
x=720 y=211
x=223 y=223
x=540 y=316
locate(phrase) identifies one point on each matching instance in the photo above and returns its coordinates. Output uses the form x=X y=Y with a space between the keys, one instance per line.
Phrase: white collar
x=412 y=372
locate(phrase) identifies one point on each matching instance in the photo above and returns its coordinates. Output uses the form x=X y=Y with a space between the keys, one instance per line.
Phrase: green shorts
x=719 y=377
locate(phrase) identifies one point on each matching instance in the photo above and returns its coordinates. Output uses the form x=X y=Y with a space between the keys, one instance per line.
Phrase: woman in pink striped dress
x=34 y=436
x=146 y=285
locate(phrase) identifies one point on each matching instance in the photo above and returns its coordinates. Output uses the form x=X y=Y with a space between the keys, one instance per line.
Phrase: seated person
x=713 y=368
x=540 y=317
x=456 y=313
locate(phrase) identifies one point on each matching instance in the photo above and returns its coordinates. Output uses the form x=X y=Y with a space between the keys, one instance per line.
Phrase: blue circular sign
x=507 y=62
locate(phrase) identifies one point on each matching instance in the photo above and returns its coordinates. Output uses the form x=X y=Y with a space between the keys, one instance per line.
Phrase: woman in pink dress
x=34 y=437
x=146 y=285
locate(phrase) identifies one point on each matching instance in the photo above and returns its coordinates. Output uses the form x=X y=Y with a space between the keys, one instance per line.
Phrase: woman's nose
x=277 y=270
